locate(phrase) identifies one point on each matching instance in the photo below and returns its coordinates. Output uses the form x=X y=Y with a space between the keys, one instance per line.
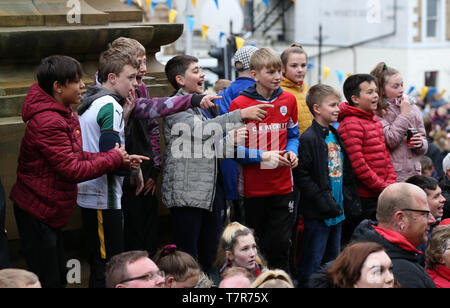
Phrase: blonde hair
x=17 y=278
x=382 y=73
x=228 y=239
x=129 y=46
x=265 y=58
x=273 y=279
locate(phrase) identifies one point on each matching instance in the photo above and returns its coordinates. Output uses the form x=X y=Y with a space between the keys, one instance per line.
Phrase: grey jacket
x=193 y=146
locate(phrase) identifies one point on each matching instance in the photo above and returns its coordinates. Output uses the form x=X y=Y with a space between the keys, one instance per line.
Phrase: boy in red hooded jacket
x=51 y=163
x=363 y=137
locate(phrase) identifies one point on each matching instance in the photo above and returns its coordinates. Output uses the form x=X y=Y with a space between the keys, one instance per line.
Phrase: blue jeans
x=321 y=244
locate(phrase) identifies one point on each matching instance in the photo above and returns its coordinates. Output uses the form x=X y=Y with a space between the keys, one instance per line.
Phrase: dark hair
x=318 y=93
x=424 y=182
x=346 y=269
x=178 y=264
x=178 y=65
x=116 y=268
x=352 y=85
x=62 y=69
x=113 y=61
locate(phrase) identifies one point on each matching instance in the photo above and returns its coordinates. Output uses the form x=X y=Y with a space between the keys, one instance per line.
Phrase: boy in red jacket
x=51 y=163
x=363 y=137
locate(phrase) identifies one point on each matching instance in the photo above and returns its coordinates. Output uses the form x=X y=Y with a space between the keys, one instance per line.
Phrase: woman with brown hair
x=437 y=260
x=360 y=265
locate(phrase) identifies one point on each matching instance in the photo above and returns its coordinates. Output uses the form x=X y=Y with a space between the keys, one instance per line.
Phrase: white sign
x=344 y=22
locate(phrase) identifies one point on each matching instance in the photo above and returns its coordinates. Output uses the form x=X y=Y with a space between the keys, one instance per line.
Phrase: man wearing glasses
x=133 y=269
x=404 y=221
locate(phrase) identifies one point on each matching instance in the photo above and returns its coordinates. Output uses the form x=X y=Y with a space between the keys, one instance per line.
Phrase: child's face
x=244 y=252
x=328 y=111
x=125 y=82
x=394 y=87
x=268 y=78
x=71 y=92
x=142 y=69
x=193 y=79
x=296 y=67
x=368 y=97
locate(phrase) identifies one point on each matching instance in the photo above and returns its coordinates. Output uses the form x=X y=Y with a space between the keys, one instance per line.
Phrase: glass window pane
x=431 y=28
x=432 y=7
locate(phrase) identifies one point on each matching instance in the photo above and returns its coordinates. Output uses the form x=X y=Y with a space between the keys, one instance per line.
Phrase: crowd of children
x=265 y=149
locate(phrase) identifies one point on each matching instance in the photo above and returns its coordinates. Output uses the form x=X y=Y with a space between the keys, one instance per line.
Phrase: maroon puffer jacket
x=363 y=137
x=52 y=161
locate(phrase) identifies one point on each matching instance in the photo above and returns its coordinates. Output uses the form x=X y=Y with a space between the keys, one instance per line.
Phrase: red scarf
x=396 y=238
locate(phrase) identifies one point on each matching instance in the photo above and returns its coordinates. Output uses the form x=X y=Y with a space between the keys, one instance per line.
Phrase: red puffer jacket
x=52 y=161
x=363 y=137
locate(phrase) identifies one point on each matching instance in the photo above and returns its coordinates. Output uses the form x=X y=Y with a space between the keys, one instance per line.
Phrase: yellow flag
x=442 y=94
x=205 y=29
x=149 y=4
x=424 y=92
x=326 y=72
x=239 y=42
x=243 y=2
x=172 y=15
x=194 y=3
x=348 y=75
x=139 y=2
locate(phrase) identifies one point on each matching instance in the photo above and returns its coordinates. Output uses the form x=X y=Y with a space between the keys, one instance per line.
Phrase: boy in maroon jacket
x=51 y=163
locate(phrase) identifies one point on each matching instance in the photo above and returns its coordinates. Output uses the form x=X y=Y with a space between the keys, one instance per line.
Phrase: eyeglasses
x=148 y=277
x=425 y=212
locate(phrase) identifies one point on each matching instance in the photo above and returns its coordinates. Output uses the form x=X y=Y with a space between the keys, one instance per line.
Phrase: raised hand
x=207 y=101
x=255 y=113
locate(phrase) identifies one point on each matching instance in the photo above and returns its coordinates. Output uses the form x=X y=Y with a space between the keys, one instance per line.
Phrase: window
x=431 y=79
x=432 y=18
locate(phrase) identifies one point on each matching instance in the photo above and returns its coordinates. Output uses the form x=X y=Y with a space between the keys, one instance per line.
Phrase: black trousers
x=272 y=219
x=140 y=215
x=104 y=231
x=197 y=231
x=43 y=248
x=4 y=251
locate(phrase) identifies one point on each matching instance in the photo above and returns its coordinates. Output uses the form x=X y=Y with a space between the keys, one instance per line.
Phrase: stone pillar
x=31 y=30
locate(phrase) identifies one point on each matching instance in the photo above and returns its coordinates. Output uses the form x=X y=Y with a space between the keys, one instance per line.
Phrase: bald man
x=403 y=223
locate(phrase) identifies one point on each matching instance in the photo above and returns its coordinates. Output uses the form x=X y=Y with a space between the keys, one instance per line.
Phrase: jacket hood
x=395 y=244
x=92 y=93
x=345 y=110
x=252 y=93
x=38 y=100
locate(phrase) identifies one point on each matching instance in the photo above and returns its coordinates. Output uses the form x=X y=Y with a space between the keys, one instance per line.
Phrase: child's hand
x=417 y=141
x=255 y=113
x=138 y=180
x=136 y=160
x=207 y=101
x=239 y=135
x=150 y=186
x=125 y=156
x=405 y=106
x=274 y=159
x=128 y=106
x=292 y=158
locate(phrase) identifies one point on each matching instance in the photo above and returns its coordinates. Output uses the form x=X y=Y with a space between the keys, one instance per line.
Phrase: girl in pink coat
x=402 y=123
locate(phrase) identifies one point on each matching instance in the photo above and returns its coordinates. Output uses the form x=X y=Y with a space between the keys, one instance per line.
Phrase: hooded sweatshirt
x=52 y=161
x=403 y=254
x=278 y=131
x=299 y=90
x=363 y=137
